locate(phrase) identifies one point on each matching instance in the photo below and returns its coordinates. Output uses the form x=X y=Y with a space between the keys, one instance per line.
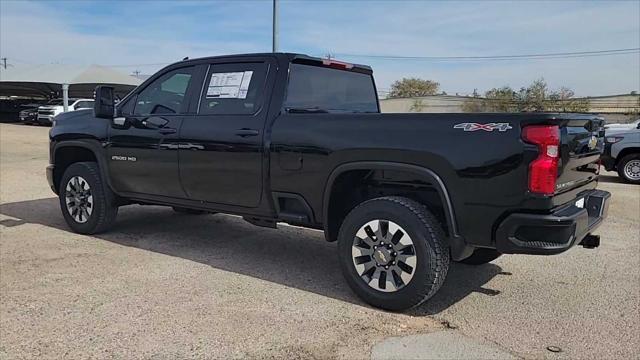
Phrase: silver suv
x=622 y=152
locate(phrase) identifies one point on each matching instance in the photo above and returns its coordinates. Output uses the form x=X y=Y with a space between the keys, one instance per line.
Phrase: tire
x=182 y=210
x=629 y=168
x=481 y=256
x=102 y=211
x=430 y=258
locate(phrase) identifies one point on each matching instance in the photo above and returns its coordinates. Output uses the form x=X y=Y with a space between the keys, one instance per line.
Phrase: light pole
x=274 y=47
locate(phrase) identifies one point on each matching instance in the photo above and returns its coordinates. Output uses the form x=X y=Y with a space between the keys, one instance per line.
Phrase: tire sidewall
x=423 y=242
x=621 y=165
x=99 y=200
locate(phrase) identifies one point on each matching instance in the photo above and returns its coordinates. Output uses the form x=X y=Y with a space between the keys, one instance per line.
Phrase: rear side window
x=331 y=90
x=233 y=89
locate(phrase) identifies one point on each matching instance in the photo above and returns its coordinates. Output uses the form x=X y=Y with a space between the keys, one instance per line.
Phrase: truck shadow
x=289 y=256
x=615 y=179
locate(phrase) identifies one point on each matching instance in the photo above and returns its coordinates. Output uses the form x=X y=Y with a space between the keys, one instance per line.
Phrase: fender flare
x=95 y=147
x=459 y=248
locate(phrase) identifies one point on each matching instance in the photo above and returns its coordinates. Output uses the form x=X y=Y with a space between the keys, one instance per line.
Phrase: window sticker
x=230 y=85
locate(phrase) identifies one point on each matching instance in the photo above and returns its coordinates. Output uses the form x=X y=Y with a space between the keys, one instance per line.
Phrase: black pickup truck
x=300 y=140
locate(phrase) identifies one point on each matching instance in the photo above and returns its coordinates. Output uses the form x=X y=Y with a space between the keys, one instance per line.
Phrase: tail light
x=543 y=171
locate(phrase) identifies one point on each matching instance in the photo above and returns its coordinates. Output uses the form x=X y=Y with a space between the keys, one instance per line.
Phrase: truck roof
x=291 y=57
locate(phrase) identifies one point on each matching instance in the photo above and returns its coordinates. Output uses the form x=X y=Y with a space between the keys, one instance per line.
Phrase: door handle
x=166 y=131
x=247 y=132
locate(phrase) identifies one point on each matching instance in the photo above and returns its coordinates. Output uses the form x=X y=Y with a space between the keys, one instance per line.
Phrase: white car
x=46 y=113
x=632 y=125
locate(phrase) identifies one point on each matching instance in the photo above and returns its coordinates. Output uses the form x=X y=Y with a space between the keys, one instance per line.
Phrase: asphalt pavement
x=167 y=285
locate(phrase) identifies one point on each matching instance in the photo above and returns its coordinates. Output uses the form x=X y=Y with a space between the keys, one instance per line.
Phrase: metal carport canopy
x=43 y=80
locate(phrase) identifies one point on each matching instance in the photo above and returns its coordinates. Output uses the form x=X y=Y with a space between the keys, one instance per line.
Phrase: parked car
x=622 y=153
x=631 y=125
x=291 y=138
x=29 y=114
x=55 y=107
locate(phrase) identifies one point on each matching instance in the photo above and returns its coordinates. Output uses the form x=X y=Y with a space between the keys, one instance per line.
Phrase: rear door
x=143 y=147
x=221 y=151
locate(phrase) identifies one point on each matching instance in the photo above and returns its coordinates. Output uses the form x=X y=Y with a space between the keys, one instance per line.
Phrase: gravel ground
x=165 y=285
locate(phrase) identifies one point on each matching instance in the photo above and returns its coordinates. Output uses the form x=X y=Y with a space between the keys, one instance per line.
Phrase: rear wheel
x=87 y=204
x=629 y=168
x=393 y=252
x=481 y=256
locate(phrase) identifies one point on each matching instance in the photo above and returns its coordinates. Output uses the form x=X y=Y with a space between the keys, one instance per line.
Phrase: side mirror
x=104 y=106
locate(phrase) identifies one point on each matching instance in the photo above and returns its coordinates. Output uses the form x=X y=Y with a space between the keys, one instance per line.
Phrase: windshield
x=55 y=102
x=315 y=89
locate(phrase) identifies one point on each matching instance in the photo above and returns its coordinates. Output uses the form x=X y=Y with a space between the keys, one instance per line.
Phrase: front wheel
x=629 y=168
x=87 y=203
x=393 y=252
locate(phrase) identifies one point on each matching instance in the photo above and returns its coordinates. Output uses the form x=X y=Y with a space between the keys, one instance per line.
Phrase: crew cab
x=47 y=112
x=290 y=138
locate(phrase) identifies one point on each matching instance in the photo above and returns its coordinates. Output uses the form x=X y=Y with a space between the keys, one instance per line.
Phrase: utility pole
x=275 y=27
x=4 y=62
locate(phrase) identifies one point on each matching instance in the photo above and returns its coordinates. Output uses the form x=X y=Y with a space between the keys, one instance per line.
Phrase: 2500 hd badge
x=123 y=158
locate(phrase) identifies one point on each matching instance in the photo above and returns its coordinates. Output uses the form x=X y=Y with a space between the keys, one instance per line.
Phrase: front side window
x=166 y=95
x=321 y=89
x=234 y=89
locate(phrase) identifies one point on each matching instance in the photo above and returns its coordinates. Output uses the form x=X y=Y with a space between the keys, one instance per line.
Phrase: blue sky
x=153 y=32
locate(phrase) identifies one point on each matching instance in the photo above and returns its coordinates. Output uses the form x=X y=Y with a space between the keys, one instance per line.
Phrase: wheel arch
x=626 y=151
x=72 y=151
x=458 y=246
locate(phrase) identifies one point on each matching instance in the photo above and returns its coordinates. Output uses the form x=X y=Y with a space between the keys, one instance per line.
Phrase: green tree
x=534 y=98
x=413 y=87
x=500 y=100
x=563 y=101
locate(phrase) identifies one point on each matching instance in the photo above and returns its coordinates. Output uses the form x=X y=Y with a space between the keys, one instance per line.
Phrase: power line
x=557 y=55
x=136 y=65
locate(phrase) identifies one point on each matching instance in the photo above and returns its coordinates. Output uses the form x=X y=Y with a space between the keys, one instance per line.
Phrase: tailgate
x=581 y=143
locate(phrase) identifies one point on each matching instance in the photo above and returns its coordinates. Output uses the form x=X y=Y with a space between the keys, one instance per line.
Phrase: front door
x=222 y=145
x=144 y=139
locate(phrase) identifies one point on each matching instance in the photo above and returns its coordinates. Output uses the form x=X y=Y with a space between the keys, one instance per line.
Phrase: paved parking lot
x=164 y=285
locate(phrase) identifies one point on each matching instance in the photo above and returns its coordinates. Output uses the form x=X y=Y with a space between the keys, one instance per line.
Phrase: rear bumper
x=547 y=234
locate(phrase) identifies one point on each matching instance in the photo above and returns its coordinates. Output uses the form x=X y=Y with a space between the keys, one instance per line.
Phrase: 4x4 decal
x=484 y=127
